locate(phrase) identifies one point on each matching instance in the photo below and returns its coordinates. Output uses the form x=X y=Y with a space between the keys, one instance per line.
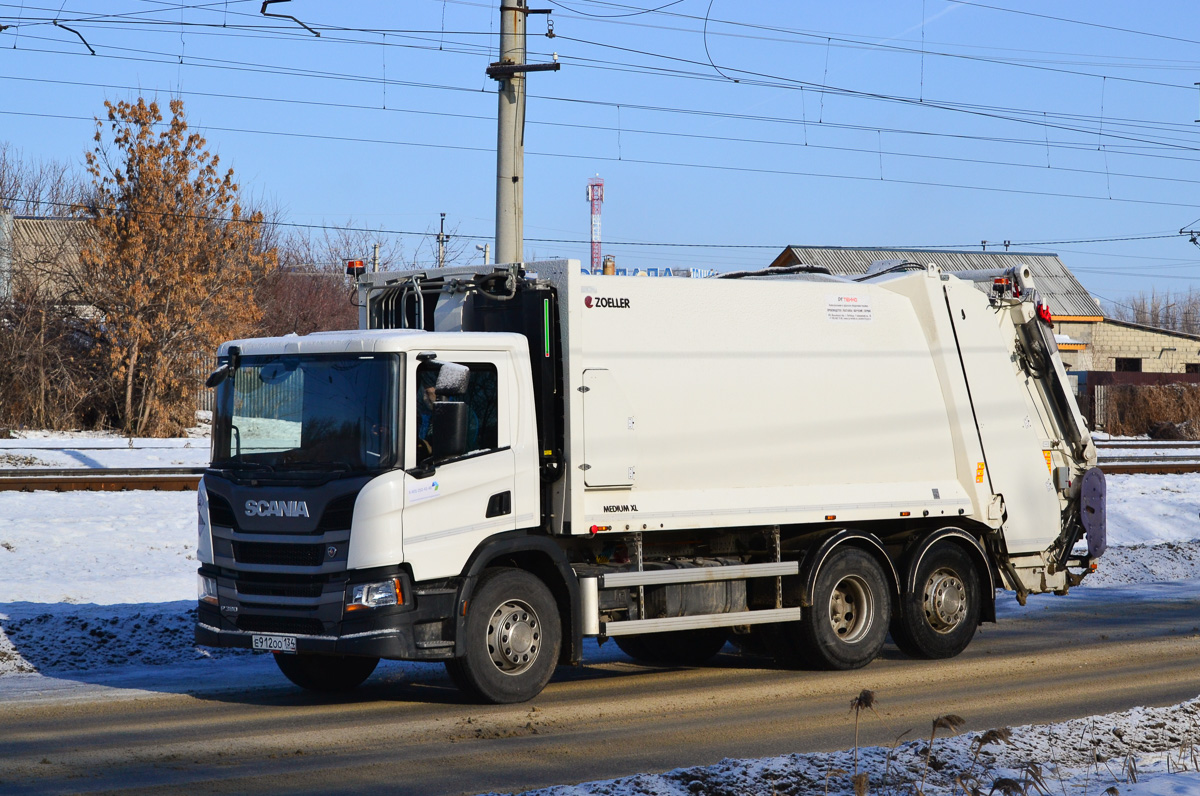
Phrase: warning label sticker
x=1049 y=465
x=848 y=307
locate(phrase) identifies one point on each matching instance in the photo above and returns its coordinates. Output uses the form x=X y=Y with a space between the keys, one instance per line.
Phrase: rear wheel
x=938 y=619
x=677 y=648
x=326 y=672
x=512 y=638
x=847 y=625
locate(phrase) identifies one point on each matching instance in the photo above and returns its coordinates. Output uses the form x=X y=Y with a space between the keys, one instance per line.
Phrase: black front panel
x=280 y=553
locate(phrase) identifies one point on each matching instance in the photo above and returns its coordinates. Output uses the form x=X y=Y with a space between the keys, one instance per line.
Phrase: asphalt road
x=1076 y=658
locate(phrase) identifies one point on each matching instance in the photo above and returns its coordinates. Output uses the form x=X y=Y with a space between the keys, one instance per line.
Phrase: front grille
x=281 y=589
x=280 y=555
x=291 y=625
x=338 y=514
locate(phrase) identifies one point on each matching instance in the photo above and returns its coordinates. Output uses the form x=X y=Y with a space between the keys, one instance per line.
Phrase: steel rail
x=163 y=479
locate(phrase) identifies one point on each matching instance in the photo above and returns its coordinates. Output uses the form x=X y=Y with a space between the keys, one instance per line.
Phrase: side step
x=630 y=627
x=589 y=598
x=658 y=577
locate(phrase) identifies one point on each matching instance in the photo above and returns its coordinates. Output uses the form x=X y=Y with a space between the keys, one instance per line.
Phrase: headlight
x=374 y=595
x=206 y=590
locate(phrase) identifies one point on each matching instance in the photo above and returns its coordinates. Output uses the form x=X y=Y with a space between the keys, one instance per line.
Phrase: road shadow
x=150 y=647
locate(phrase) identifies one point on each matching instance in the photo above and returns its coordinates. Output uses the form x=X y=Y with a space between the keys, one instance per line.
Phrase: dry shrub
x=47 y=381
x=1133 y=410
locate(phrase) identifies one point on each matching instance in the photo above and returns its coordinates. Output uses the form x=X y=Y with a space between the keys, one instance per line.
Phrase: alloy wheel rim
x=514 y=637
x=945 y=600
x=851 y=609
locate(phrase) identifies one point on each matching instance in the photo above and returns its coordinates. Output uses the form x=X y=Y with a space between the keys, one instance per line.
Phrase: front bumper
x=421 y=629
x=398 y=642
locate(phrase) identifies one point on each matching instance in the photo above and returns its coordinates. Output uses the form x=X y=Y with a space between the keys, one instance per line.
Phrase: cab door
x=452 y=503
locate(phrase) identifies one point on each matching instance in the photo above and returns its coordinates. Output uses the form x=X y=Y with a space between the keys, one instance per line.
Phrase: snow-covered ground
x=97 y=593
x=91 y=451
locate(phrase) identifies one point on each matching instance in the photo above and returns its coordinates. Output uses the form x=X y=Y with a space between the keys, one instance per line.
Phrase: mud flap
x=1092 y=512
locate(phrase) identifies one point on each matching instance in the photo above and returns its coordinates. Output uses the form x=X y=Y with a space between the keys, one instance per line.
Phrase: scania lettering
x=489 y=471
x=276 y=508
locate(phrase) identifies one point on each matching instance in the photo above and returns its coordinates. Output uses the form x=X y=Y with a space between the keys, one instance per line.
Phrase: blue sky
x=1059 y=126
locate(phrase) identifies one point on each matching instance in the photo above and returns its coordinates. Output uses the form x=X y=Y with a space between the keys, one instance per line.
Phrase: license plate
x=274 y=643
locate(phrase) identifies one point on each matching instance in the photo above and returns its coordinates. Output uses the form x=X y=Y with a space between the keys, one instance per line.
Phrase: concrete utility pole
x=442 y=237
x=510 y=71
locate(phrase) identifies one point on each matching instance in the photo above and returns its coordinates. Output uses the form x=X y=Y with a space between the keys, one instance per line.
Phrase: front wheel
x=512 y=638
x=326 y=672
x=938 y=619
x=848 y=621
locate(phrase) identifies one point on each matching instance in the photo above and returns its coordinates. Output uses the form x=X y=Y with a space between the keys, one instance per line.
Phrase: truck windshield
x=327 y=412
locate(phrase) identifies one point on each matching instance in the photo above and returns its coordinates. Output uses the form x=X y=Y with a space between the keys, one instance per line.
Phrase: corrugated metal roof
x=1058 y=286
x=46 y=241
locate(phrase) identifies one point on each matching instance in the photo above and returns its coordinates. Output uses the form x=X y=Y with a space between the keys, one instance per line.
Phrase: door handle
x=500 y=504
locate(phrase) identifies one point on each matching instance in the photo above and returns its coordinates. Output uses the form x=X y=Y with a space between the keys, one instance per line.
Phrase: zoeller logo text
x=276 y=508
x=606 y=302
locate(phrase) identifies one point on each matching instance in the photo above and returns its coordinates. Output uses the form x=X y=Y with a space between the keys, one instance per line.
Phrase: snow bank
x=1131 y=751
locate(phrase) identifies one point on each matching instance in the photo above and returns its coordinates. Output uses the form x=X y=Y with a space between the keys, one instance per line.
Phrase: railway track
x=1148 y=457
x=1120 y=457
x=72 y=479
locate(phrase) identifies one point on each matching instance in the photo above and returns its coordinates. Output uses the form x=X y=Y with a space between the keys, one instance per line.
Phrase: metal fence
x=198 y=369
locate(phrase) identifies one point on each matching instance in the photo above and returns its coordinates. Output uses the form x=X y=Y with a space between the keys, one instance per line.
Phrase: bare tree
x=45 y=381
x=1177 y=311
x=310 y=291
x=37 y=187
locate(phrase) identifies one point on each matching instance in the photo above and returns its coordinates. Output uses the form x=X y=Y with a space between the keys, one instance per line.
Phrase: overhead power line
x=1115 y=28
x=1037 y=117
x=656 y=162
x=696 y=136
x=580 y=241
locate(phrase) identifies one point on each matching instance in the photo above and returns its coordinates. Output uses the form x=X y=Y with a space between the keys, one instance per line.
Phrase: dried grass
x=1134 y=410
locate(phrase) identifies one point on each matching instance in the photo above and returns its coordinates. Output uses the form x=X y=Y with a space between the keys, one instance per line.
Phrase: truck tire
x=512 y=638
x=326 y=672
x=677 y=648
x=458 y=675
x=938 y=619
x=848 y=623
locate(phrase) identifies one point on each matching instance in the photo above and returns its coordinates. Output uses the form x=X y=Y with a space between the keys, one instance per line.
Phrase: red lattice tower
x=595 y=195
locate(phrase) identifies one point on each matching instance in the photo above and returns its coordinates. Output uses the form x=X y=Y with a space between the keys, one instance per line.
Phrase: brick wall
x=1160 y=352
x=1081 y=331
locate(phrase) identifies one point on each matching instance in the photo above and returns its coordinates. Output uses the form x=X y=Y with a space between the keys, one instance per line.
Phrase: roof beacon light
x=355 y=267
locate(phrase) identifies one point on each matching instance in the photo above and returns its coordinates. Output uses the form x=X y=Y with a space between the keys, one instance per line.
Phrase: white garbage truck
x=504 y=461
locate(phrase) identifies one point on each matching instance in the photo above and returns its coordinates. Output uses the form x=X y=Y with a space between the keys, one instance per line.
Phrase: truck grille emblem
x=276 y=508
x=331 y=551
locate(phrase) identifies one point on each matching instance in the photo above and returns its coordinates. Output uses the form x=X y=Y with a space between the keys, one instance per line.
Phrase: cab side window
x=480 y=394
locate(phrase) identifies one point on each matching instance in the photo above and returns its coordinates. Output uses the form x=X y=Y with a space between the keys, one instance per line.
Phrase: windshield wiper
x=233 y=464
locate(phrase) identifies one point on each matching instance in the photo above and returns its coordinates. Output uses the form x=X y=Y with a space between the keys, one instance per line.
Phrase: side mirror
x=217 y=376
x=220 y=374
x=449 y=438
